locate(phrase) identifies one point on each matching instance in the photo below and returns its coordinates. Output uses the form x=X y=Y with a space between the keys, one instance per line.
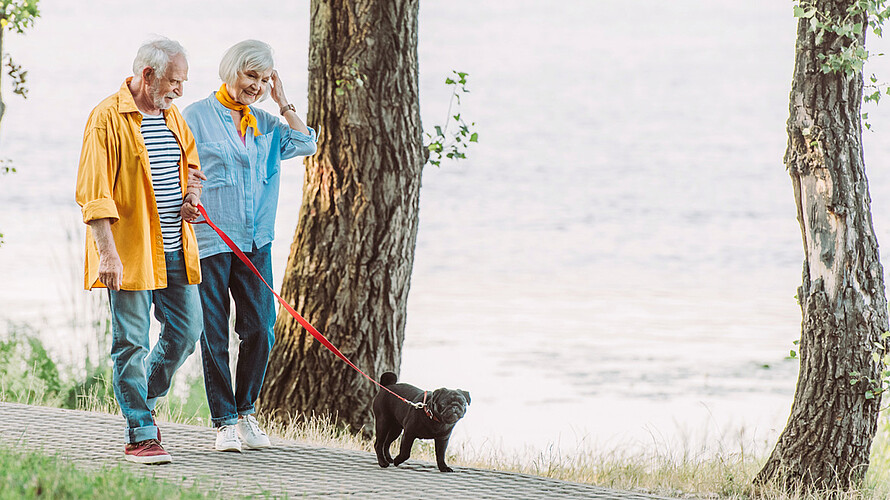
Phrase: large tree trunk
x=350 y=263
x=826 y=442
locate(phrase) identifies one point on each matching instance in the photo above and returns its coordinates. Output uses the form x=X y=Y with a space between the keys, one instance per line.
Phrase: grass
x=27 y=475
x=28 y=375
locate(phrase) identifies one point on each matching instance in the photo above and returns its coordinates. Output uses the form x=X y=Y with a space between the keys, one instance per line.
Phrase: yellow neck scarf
x=247 y=119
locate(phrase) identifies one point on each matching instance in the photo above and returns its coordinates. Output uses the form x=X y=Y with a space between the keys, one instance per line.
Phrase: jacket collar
x=125 y=101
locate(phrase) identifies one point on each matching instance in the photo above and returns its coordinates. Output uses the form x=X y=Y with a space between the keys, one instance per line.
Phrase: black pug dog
x=443 y=408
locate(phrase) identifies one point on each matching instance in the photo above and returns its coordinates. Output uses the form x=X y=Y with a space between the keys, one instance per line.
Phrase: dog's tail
x=388 y=378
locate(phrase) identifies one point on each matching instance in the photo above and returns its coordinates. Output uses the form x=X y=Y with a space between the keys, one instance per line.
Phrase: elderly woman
x=240 y=149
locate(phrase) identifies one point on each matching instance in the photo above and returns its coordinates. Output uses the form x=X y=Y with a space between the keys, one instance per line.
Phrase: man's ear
x=147 y=73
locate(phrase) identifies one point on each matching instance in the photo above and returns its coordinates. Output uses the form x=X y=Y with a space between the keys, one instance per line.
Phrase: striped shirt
x=164 y=155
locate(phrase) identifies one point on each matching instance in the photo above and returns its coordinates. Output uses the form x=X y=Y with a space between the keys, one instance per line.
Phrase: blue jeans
x=223 y=274
x=140 y=377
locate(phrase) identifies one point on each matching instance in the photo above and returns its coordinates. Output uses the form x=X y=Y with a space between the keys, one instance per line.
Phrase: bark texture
x=826 y=442
x=350 y=263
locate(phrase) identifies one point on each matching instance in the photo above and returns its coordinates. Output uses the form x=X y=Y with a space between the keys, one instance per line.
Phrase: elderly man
x=137 y=184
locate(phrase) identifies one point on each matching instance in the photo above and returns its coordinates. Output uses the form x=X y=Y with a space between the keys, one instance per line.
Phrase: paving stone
x=289 y=468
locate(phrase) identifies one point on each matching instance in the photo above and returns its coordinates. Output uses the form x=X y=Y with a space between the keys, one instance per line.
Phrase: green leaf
x=449 y=81
x=439 y=131
x=869 y=395
x=474 y=137
x=798 y=11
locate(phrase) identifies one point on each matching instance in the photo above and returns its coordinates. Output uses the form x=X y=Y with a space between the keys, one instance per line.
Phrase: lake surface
x=615 y=264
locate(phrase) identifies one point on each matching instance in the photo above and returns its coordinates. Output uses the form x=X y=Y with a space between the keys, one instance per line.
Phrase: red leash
x=305 y=324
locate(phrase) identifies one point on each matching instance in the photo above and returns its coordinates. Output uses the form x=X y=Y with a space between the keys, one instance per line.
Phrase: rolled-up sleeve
x=96 y=175
x=294 y=143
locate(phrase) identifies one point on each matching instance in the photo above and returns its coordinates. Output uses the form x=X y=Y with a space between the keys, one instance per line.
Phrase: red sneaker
x=147 y=452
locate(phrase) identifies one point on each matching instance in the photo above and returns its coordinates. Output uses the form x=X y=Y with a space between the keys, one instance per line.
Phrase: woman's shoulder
x=200 y=107
x=262 y=114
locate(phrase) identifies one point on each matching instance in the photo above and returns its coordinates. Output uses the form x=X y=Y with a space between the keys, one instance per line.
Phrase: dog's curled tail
x=388 y=378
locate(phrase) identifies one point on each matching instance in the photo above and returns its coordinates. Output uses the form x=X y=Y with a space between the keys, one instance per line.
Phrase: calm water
x=616 y=263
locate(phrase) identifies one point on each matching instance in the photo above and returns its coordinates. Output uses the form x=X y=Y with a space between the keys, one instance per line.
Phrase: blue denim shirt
x=241 y=190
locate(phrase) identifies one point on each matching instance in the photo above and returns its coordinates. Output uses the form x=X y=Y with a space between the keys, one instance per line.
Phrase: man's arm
x=192 y=198
x=111 y=269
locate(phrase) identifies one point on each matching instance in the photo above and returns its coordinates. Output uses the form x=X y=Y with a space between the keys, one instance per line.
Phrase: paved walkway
x=289 y=468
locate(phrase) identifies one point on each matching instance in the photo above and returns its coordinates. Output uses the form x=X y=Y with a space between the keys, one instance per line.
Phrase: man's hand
x=189 y=210
x=111 y=269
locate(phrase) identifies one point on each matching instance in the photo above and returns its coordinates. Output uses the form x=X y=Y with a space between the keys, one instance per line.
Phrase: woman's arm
x=286 y=109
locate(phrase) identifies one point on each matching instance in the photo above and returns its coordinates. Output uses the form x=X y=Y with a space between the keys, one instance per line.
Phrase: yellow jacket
x=114 y=182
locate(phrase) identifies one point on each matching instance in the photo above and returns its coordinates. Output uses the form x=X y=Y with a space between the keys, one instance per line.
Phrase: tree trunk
x=350 y=263
x=826 y=442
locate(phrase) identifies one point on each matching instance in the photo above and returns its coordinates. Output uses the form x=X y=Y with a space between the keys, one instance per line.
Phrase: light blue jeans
x=140 y=377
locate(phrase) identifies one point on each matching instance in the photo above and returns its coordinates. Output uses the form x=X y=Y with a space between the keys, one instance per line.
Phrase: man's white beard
x=157 y=98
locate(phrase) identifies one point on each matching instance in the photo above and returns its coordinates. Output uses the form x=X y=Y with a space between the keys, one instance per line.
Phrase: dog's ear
x=466 y=395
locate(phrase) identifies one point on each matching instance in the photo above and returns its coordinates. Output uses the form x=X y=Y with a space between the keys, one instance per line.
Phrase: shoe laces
x=253 y=426
x=229 y=433
x=147 y=443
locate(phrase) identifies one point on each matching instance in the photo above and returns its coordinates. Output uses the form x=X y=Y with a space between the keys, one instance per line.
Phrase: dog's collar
x=426 y=409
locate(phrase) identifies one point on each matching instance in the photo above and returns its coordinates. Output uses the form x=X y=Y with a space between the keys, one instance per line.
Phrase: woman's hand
x=278 y=90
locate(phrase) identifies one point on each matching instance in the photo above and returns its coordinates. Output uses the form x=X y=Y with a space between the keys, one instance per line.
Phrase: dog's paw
x=383 y=464
x=445 y=468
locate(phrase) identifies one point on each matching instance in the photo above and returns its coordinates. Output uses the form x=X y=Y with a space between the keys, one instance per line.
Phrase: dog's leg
x=393 y=434
x=441 y=446
x=405 y=448
x=381 y=451
x=383 y=440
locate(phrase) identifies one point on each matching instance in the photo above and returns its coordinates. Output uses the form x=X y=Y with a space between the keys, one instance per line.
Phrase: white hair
x=249 y=55
x=156 y=54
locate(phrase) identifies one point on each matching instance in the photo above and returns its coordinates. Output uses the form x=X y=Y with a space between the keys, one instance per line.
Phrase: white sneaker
x=227 y=439
x=251 y=434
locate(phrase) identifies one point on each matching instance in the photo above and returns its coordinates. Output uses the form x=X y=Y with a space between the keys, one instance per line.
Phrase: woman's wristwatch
x=287 y=107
